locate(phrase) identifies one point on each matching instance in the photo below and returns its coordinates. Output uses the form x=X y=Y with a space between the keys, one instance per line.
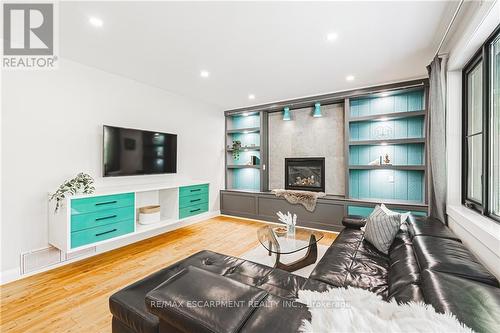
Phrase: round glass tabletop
x=275 y=242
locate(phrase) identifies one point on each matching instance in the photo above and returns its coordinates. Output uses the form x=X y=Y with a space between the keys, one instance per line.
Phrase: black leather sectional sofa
x=426 y=263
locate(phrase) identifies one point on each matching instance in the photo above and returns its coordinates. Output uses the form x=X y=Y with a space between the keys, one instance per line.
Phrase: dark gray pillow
x=381 y=229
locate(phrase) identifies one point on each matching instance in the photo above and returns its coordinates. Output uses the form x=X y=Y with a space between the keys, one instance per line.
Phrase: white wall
x=481 y=235
x=52 y=129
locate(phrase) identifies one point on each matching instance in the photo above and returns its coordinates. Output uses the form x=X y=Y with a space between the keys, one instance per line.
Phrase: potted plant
x=236 y=149
x=81 y=184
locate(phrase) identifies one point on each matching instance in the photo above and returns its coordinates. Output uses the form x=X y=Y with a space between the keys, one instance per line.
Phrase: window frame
x=481 y=56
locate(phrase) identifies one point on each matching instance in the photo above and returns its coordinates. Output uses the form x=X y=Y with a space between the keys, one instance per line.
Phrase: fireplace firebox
x=307 y=174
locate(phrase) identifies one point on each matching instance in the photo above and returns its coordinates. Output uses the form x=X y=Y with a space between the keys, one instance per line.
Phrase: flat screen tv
x=129 y=152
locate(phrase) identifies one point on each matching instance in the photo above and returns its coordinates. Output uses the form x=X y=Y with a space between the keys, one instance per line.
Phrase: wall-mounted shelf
x=389 y=116
x=389 y=167
x=388 y=142
x=243 y=166
x=244 y=130
x=251 y=148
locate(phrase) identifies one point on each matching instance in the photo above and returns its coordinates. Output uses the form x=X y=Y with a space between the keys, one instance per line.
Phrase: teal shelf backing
x=406 y=154
x=245 y=179
x=247 y=139
x=238 y=122
x=245 y=157
x=402 y=102
x=365 y=211
x=403 y=185
x=391 y=129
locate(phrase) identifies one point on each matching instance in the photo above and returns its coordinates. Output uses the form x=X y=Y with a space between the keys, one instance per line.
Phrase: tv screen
x=129 y=152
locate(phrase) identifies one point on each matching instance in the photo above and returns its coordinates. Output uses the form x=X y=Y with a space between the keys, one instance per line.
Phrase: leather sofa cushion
x=474 y=303
x=351 y=261
x=450 y=256
x=429 y=226
x=404 y=275
x=277 y=315
x=189 y=299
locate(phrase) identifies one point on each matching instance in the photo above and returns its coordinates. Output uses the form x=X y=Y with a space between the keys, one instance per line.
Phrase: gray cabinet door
x=326 y=216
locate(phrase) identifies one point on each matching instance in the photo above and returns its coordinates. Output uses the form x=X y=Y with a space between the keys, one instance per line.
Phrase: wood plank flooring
x=74 y=298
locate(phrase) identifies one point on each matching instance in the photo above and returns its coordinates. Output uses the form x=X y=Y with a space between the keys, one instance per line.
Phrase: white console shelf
x=111 y=213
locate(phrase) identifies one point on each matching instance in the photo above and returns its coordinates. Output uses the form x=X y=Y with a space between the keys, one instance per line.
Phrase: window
x=495 y=124
x=481 y=130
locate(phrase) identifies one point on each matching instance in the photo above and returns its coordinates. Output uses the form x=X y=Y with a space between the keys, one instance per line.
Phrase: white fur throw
x=358 y=310
x=305 y=198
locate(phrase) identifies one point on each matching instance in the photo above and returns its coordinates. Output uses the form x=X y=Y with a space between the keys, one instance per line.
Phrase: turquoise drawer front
x=97 y=234
x=193 y=210
x=195 y=189
x=91 y=220
x=100 y=203
x=194 y=199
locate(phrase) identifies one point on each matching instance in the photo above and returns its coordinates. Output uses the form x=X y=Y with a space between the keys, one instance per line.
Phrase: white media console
x=111 y=213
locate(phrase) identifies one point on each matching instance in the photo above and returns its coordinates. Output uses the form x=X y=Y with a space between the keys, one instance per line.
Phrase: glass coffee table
x=289 y=243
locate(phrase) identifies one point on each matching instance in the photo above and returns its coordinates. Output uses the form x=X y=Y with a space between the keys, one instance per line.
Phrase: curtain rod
x=449 y=27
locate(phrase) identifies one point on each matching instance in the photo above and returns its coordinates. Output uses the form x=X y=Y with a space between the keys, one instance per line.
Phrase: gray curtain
x=436 y=133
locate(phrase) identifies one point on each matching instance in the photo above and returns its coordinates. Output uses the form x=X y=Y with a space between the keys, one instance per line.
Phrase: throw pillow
x=381 y=229
x=404 y=216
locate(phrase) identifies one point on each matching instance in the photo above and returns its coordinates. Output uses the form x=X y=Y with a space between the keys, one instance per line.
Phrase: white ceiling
x=274 y=50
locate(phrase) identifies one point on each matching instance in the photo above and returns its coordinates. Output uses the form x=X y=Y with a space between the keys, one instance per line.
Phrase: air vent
x=38 y=259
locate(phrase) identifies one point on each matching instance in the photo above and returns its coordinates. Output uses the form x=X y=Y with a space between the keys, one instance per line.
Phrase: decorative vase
x=290 y=229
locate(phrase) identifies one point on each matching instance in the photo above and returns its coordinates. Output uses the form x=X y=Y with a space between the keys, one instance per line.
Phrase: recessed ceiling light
x=204 y=73
x=349 y=78
x=332 y=36
x=95 y=21
x=251 y=96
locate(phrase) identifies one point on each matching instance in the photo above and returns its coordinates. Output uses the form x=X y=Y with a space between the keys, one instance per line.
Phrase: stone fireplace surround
x=306 y=136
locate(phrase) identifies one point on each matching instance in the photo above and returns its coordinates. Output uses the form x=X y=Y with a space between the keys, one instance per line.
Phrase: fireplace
x=307 y=174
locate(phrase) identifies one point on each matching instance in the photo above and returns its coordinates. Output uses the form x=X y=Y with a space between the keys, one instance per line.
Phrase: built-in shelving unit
x=386 y=124
x=388 y=120
x=246 y=168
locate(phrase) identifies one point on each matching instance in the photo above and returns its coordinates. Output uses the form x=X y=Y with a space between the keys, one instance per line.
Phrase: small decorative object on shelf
x=289 y=220
x=81 y=184
x=149 y=214
x=387 y=160
x=236 y=149
x=317 y=110
x=375 y=162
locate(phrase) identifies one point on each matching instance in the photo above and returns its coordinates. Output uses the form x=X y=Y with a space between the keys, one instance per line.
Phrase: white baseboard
x=14 y=274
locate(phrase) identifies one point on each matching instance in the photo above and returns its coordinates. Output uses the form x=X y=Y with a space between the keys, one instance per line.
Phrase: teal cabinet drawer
x=193 y=210
x=100 y=203
x=91 y=220
x=192 y=200
x=97 y=234
x=195 y=189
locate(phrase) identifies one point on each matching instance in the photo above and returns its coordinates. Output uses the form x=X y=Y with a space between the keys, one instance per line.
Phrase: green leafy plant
x=81 y=184
x=236 y=149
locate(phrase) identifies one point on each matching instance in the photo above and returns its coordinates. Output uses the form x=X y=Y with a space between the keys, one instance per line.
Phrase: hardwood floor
x=74 y=298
